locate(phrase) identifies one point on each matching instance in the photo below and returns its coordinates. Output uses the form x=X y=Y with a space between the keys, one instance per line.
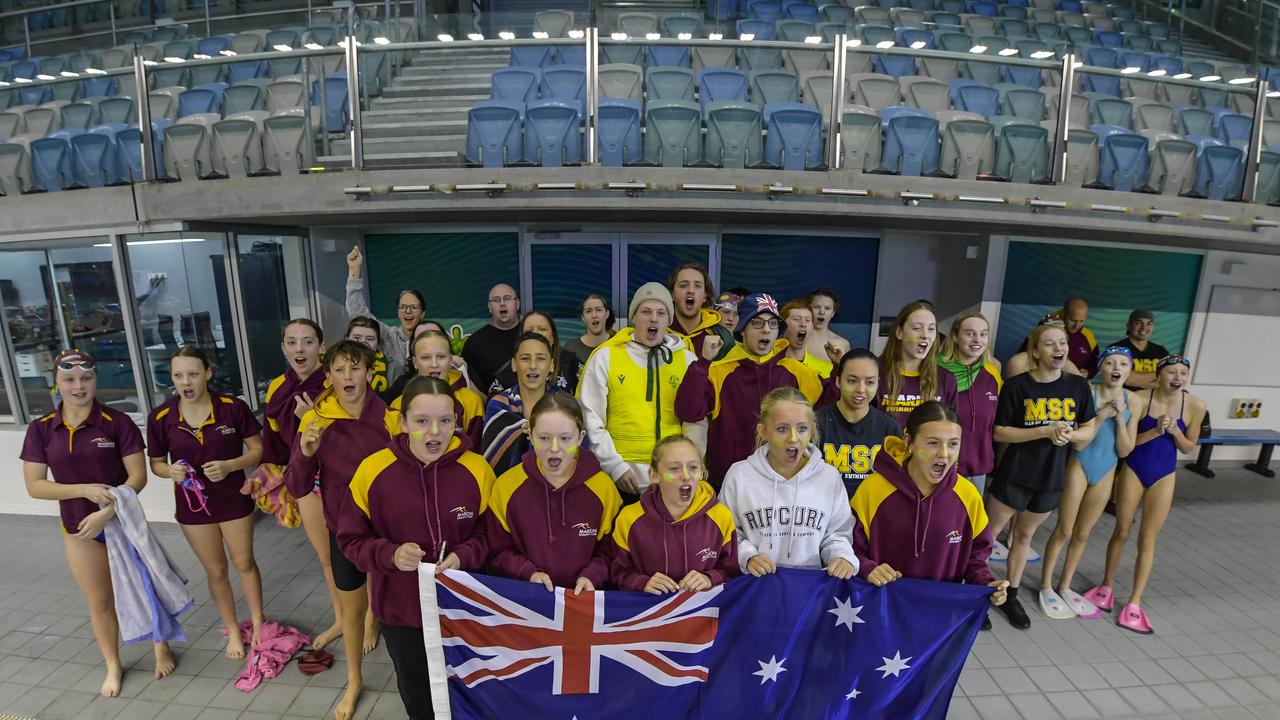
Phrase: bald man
x=490 y=348
x=1082 y=345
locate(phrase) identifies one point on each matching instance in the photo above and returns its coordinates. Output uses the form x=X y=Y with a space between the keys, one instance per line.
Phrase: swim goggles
x=1172 y=360
x=73 y=364
x=1115 y=350
x=193 y=488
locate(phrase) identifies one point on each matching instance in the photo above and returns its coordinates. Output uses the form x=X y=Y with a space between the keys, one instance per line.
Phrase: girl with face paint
x=678 y=537
x=553 y=513
x=432 y=358
x=506 y=425
x=790 y=507
x=917 y=492
x=418 y=499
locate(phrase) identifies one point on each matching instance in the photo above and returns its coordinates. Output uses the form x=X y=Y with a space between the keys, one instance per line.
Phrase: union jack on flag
x=511 y=638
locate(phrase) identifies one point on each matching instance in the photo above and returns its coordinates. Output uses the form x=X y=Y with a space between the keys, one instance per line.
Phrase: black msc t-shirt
x=1025 y=403
x=850 y=447
x=1144 y=361
x=487 y=351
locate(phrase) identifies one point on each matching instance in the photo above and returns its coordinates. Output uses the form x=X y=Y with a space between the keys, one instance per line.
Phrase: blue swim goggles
x=1115 y=350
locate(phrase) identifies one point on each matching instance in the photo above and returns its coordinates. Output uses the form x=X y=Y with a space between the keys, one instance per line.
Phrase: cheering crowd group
x=716 y=435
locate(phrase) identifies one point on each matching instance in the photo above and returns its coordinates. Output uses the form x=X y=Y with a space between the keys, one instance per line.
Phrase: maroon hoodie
x=976 y=407
x=344 y=443
x=949 y=537
x=280 y=423
x=649 y=541
x=563 y=532
x=395 y=499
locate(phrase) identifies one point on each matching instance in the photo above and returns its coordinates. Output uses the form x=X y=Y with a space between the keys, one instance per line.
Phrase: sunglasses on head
x=72 y=365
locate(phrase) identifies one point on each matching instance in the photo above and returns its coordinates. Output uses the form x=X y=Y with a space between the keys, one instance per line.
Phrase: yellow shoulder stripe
x=717 y=374
x=472 y=404
x=164 y=411
x=48 y=417
x=483 y=473
x=503 y=489
x=723 y=518
x=369 y=469
x=622 y=526
x=868 y=498
x=807 y=380
x=973 y=506
x=227 y=400
x=274 y=386
x=602 y=485
x=392 y=421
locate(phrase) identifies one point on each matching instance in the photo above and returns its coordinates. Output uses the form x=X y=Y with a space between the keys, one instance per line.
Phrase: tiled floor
x=1213 y=599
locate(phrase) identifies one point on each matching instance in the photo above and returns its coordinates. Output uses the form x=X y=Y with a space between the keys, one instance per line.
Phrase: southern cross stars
x=770 y=670
x=846 y=614
x=853 y=695
x=894 y=665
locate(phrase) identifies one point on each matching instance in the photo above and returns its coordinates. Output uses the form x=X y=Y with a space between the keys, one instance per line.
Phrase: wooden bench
x=1268 y=439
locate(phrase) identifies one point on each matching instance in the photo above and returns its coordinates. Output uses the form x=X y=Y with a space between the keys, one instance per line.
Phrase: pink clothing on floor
x=278 y=646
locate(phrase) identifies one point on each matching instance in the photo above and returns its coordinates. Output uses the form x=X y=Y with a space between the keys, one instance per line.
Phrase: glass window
x=180 y=287
x=273 y=290
x=64 y=294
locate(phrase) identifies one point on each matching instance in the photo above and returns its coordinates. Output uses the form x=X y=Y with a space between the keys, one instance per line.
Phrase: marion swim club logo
x=103 y=443
x=955 y=537
x=462 y=512
x=511 y=639
x=708 y=554
x=584 y=529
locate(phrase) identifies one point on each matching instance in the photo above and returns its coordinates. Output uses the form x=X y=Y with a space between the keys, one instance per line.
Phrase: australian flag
x=794 y=644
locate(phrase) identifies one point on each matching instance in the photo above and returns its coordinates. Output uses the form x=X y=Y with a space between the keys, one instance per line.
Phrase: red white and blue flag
x=795 y=644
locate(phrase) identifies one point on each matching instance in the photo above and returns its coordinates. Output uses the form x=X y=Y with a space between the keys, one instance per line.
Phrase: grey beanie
x=652 y=291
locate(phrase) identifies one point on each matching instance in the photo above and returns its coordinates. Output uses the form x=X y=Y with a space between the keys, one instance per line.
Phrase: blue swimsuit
x=1158 y=457
x=1099 y=457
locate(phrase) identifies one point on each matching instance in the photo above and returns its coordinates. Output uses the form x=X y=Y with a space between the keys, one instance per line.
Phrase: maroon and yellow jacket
x=729 y=392
x=649 y=541
x=344 y=443
x=950 y=538
x=468 y=410
x=395 y=499
x=708 y=324
x=563 y=532
x=280 y=423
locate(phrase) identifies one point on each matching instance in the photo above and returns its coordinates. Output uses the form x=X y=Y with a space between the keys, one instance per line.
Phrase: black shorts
x=346 y=575
x=1021 y=497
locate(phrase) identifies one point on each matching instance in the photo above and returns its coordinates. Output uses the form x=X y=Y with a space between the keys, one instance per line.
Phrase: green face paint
x=417 y=434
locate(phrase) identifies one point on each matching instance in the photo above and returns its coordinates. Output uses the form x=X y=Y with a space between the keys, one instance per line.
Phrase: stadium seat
x=894 y=66
x=50 y=164
x=1022 y=102
x=115 y=165
x=621 y=81
x=99 y=86
x=1022 y=150
x=551 y=132
x=673 y=132
x=1082 y=158
x=618 y=132
x=861 y=138
x=241 y=71
x=705 y=56
x=284 y=148
x=1188 y=121
x=637 y=24
x=236 y=149
x=566 y=83
x=763 y=30
x=1268 y=186
x=874 y=90
x=800 y=11
x=1102 y=84
x=624 y=54
x=774 y=86
x=241 y=98
x=1111 y=111
x=673 y=25
x=836 y=13
x=1232 y=128
x=974 y=96
x=15 y=168
x=187 y=147
x=1219 y=168
x=734 y=134
x=1123 y=158
x=284 y=94
x=493 y=133
x=968 y=147
x=759 y=58
x=664 y=83
x=337 y=104
x=1152 y=116
x=199 y=100
x=515 y=84
x=41 y=121
x=1173 y=165
x=667 y=56
x=794 y=139
x=925 y=93
x=910 y=141
x=721 y=84
x=91 y=156
x=798 y=61
x=794 y=30
x=1030 y=77
x=534 y=56
x=81 y=115
x=906 y=17
x=815 y=89
x=555 y=23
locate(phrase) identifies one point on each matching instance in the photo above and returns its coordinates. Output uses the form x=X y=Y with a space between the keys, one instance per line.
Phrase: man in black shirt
x=490 y=348
x=1145 y=353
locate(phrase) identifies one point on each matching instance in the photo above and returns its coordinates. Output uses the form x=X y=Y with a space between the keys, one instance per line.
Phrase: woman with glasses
x=88 y=450
x=1170 y=424
x=411 y=308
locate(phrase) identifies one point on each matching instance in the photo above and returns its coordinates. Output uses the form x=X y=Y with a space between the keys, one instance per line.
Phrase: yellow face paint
x=417 y=434
x=795 y=436
x=573 y=450
x=555 y=444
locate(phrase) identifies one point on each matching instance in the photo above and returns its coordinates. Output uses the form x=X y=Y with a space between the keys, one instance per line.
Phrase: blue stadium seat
x=571 y=55
x=1026 y=76
x=1108 y=38
x=1231 y=128
x=895 y=66
x=91 y=155
x=516 y=84
x=1123 y=158
x=733 y=134
x=564 y=82
x=211 y=46
x=1105 y=84
x=794 y=139
x=794 y=30
x=618 y=132
x=99 y=86
x=800 y=11
x=976 y=97
x=493 y=133
x=198 y=100
x=1219 y=168
x=911 y=145
x=981 y=7
x=128 y=159
x=906 y=36
x=667 y=56
x=764 y=10
x=761 y=29
x=551 y=136
x=336 y=101
x=51 y=163
x=531 y=55
x=1145 y=62
x=721 y=84
x=115 y=168
x=37 y=95
x=241 y=71
x=1102 y=57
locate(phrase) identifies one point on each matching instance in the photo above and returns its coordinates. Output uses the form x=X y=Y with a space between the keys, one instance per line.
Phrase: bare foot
x=165 y=662
x=111 y=685
x=235 y=645
x=346 y=707
x=256 y=638
x=371 y=630
x=333 y=633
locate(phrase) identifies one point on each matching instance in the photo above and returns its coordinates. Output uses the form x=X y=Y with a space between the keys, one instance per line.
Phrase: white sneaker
x=1054 y=607
x=1083 y=608
x=999 y=552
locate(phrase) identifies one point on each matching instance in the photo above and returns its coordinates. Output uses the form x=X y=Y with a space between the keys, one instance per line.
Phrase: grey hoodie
x=804 y=522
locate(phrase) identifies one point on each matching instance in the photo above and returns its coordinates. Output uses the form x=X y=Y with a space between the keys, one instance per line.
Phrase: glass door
x=651 y=257
x=560 y=270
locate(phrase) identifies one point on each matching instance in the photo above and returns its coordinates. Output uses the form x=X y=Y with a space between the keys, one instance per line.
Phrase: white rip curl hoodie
x=804 y=522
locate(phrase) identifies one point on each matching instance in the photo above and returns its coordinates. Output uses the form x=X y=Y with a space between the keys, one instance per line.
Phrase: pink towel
x=278 y=646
